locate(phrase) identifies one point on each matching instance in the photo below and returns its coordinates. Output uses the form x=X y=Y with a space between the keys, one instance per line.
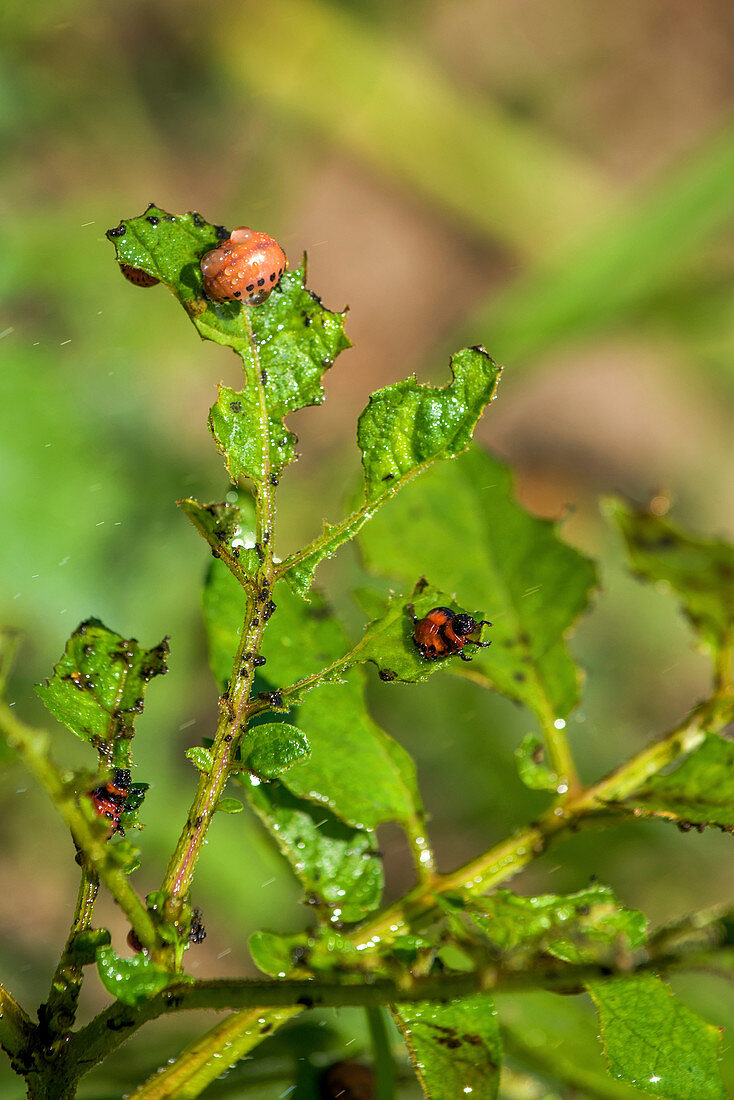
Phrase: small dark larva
x=109 y=800
x=443 y=632
x=138 y=276
x=245 y=268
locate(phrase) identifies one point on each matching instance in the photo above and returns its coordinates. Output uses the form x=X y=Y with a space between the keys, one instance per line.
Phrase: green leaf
x=234 y=422
x=461 y=525
x=201 y=758
x=285 y=344
x=571 y=927
x=270 y=749
x=132 y=981
x=654 y=1042
x=455 y=1047
x=404 y=429
x=699 y=571
x=98 y=687
x=346 y=744
x=324 y=951
x=229 y=806
x=340 y=867
x=229 y=530
x=535 y=774
x=699 y=792
x=273 y=954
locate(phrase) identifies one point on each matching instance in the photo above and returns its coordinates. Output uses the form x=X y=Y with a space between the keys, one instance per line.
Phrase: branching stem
x=32 y=746
x=235 y=706
x=59 y=1012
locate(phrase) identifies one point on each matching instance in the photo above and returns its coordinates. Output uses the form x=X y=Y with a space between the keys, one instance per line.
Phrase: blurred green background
x=554 y=180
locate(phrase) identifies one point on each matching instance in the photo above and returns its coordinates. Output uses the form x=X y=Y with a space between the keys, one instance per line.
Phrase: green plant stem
x=59 y=1012
x=382 y=1059
x=508 y=858
x=491 y=868
x=235 y=707
x=32 y=746
x=253 y=997
x=560 y=757
x=723 y=668
x=201 y=1062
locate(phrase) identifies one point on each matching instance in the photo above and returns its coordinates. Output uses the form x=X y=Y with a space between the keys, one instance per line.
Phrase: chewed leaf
x=132 y=981
x=98 y=687
x=404 y=429
x=455 y=1047
x=286 y=343
x=700 y=792
x=700 y=571
x=339 y=867
x=654 y=1042
x=574 y=927
x=461 y=526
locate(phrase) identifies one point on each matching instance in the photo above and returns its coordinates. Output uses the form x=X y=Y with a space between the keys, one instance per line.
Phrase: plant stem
x=509 y=857
x=32 y=746
x=112 y=1027
x=723 y=668
x=201 y=1062
x=382 y=1059
x=59 y=1012
x=252 y=997
x=235 y=705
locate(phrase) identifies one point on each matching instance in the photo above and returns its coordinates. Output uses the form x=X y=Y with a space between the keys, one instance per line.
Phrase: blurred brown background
x=554 y=180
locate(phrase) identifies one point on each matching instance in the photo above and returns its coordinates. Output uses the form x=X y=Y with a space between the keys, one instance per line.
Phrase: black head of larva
x=463 y=624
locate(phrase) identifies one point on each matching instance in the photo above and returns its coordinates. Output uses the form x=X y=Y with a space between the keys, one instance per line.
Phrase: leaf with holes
x=405 y=428
x=286 y=343
x=583 y=927
x=98 y=687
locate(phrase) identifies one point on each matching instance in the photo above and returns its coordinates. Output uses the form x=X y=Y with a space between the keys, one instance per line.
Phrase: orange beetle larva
x=246 y=267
